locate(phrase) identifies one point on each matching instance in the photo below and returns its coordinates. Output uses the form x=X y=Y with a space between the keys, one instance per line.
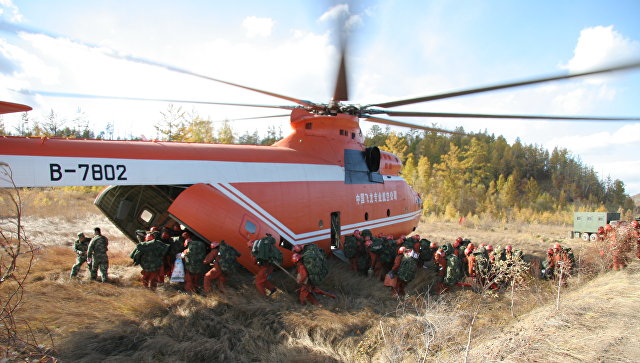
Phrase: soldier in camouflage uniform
x=80 y=248
x=97 y=255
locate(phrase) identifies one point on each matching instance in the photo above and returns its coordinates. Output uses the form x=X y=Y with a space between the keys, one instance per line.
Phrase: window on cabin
x=146 y=216
x=250 y=227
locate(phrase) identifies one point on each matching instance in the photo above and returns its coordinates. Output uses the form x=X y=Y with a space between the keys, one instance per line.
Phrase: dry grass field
x=121 y=321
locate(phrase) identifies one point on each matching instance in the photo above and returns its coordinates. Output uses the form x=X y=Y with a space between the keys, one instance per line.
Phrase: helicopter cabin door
x=335 y=229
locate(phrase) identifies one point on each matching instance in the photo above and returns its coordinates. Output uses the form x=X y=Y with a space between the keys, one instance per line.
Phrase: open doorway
x=335 y=229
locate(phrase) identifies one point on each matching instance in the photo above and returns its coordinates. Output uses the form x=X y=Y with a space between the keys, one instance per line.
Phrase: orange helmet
x=508 y=248
x=295 y=257
x=489 y=248
x=607 y=227
x=550 y=251
x=401 y=250
x=557 y=246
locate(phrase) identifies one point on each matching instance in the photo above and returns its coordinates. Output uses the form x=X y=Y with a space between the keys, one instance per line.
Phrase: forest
x=471 y=177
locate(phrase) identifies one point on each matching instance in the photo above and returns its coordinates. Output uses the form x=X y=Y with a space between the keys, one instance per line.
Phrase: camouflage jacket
x=98 y=246
x=151 y=254
x=81 y=246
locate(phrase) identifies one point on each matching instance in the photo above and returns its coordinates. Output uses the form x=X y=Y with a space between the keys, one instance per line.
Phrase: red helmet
x=456 y=243
x=508 y=248
x=153 y=229
x=607 y=227
x=296 y=257
x=433 y=245
x=483 y=245
x=215 y=244
x=489 y=248
x=557 y=246
x=467 y=251
x=600 y=229
x=297 y=248
x=401 y=250
x=635 y=224
x=149 y=237
x=550 y=251
x=471 y=245
x=165 y=235
x=459 y=239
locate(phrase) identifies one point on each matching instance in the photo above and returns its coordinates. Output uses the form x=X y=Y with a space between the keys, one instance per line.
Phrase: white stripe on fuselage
x=244 y=201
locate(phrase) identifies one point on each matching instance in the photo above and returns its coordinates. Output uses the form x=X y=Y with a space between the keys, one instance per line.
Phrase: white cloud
x=626 y=135
x=258 y=27
x=10 y=11
x=342 y=12
x=601 y=46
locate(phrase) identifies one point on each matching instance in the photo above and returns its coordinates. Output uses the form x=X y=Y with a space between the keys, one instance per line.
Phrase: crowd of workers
x=395 y=261
x=176 y=254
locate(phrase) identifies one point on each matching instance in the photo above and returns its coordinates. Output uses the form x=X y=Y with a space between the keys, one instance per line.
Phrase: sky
x=398 y=49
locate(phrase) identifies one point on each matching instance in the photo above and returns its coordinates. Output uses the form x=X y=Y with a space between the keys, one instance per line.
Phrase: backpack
x=136 y=256
x=228 y=256
x=350 y=246
x=425 y=250
x=264 y=250
x=454 y=270
x=407 y=269
x=408 y=243
x=197 y=253
x=388 y=253
x=482 y=265
x=315 y=261
x=377 y=246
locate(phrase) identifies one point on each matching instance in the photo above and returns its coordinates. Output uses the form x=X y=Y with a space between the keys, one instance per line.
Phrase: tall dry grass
x=122 y=321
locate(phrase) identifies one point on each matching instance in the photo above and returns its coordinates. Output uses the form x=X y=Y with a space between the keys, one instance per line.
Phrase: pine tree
x=225 y=133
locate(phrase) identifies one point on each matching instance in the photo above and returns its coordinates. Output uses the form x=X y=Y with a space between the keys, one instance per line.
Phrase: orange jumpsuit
x=150 y=278
x=191 y=281
x=398 y=290
x=215 y=273
x=262 y=279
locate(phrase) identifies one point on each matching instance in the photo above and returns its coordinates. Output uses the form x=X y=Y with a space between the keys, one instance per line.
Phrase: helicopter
x=316 y=185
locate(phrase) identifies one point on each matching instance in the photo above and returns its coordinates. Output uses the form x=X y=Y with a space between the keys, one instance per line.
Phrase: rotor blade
x=14 y=28
x=386 y=121
x=9 y=107
x=479 y=115
x=80 y=95
x=626 y=66
x=254 y=118
x=341 y=92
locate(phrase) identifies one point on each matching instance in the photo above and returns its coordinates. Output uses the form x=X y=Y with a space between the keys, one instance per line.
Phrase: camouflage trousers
x=101 y=262
x=80 y=259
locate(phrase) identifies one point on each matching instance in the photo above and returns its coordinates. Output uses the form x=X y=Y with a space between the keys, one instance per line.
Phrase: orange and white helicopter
x=314 y=186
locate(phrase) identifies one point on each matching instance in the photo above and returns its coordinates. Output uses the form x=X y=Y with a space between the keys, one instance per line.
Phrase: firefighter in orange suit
x=215 y=273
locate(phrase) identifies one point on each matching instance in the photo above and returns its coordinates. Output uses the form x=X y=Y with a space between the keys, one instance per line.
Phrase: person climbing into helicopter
x=149 y=254
x=194 y=254
x=266 y=255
